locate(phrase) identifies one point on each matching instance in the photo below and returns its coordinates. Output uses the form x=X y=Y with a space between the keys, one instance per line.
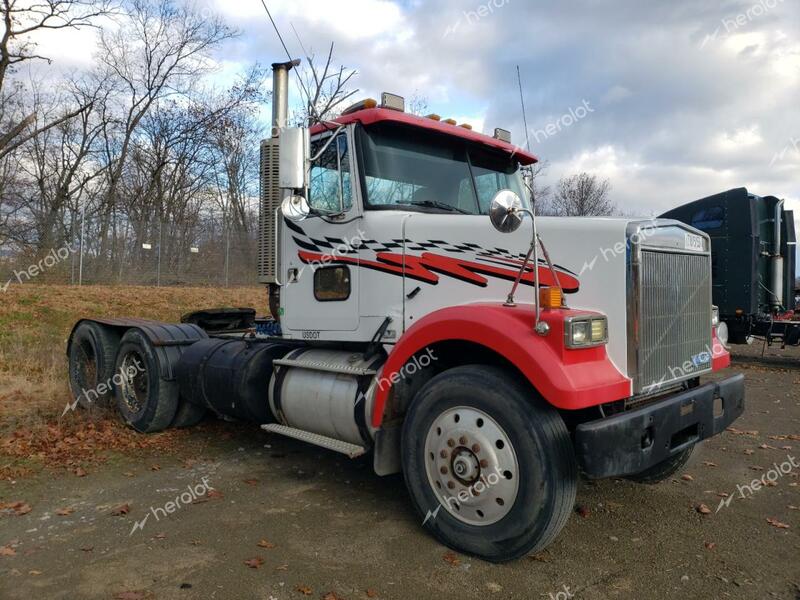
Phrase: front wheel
x=489 y=465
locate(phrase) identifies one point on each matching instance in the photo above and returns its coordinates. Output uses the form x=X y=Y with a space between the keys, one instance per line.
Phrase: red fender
x=568 y=379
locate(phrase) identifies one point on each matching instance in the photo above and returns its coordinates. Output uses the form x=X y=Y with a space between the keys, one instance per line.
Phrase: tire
x=91 y=364
x=663 y=470
x=509 y=433
x=188 y=414
x=146 y=402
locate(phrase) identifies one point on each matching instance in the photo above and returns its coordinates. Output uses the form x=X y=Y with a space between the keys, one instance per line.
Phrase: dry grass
x=35 y=321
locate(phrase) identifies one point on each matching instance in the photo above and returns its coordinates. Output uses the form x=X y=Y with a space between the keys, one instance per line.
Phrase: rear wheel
x=146 y=402
x=663 y=470
x=489 y=465
x=91 y=363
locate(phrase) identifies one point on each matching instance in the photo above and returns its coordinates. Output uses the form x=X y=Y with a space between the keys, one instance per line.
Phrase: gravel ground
x=287 y=520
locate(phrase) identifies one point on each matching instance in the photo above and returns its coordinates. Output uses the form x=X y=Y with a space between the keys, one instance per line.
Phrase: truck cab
x=422 y=313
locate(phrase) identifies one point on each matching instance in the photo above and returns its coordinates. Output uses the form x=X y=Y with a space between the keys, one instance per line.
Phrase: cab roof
x=369 y=116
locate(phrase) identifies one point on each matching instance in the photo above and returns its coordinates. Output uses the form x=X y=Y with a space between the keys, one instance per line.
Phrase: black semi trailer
x=753 y=246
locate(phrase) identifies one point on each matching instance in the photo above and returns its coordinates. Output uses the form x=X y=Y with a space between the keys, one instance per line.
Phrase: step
x=322 y=441
x=321 y=366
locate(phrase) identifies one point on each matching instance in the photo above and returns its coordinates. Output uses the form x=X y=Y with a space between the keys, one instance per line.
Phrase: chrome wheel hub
x=471 y=466
x=133 y=382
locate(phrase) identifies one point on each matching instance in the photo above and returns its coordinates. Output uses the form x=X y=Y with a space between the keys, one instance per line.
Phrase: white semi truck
x=422 y=314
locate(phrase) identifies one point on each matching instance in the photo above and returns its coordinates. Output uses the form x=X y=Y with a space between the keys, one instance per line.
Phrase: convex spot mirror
x=506 y=211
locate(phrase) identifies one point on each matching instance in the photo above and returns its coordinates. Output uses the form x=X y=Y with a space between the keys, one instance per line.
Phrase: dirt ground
x=288 y=520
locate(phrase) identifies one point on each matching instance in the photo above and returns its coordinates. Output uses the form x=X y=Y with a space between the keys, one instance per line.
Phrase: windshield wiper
x=442 y=205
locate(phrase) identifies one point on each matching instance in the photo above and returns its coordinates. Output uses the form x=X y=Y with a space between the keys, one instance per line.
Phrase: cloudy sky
x=680 y=99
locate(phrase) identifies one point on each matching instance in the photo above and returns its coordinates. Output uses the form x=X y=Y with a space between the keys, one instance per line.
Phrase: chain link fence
x=207 y=252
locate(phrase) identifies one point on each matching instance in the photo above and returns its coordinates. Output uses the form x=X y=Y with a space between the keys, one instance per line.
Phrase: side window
x=332 y=283
x=331 y=187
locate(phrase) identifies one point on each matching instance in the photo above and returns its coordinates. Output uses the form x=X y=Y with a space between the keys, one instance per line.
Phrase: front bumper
x=633 y=441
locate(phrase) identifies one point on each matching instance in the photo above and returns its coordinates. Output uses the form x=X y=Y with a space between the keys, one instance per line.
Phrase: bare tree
x=160 y=51
x=582 y=195
x=540 y=193
x=20 y=20
x=325 y=87
x=417 y=104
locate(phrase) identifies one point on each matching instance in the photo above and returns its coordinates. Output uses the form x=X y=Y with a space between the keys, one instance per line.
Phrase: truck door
x=320 y=265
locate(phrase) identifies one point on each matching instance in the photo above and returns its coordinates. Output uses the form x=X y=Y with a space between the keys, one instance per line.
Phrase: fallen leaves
x=331 y=596
x=304 y=589
x=710 y=545
x=121 y=510
x=250 y=481
x=133 y=595
x=255 y=562
x=750 y=432
x=72 y=443
x=703 y=509
x=777 y=524
x=63 y=512
x=451 y=559
x=265 y=544
x=708 y=463
x=583 y=510
x=687 y=477
x=7 y=551
x=372 y=593
x=19 y=508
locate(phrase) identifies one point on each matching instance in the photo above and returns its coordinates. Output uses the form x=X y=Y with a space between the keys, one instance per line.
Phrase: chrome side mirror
x=295 y=208
x=506 y=211
x=293 y=156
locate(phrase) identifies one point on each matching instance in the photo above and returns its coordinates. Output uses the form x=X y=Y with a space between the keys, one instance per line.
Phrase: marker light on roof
x=433 y=116
x=450 y=121
x=503 y=135
x=466 y=126
x=368 y=103
x=393 y=101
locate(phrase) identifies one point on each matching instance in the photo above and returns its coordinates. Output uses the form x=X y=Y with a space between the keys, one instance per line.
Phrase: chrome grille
x=674 y=337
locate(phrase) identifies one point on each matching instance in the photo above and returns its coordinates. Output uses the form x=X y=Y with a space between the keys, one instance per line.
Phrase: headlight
x=582 y=332
x=714 y=316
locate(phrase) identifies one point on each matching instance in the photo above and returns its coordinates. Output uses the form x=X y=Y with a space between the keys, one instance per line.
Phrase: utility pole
x=158 y=268
x=227 y=248
x=83 y=233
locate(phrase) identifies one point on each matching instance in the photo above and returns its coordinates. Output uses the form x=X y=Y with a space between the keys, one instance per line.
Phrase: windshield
x=404 y=168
